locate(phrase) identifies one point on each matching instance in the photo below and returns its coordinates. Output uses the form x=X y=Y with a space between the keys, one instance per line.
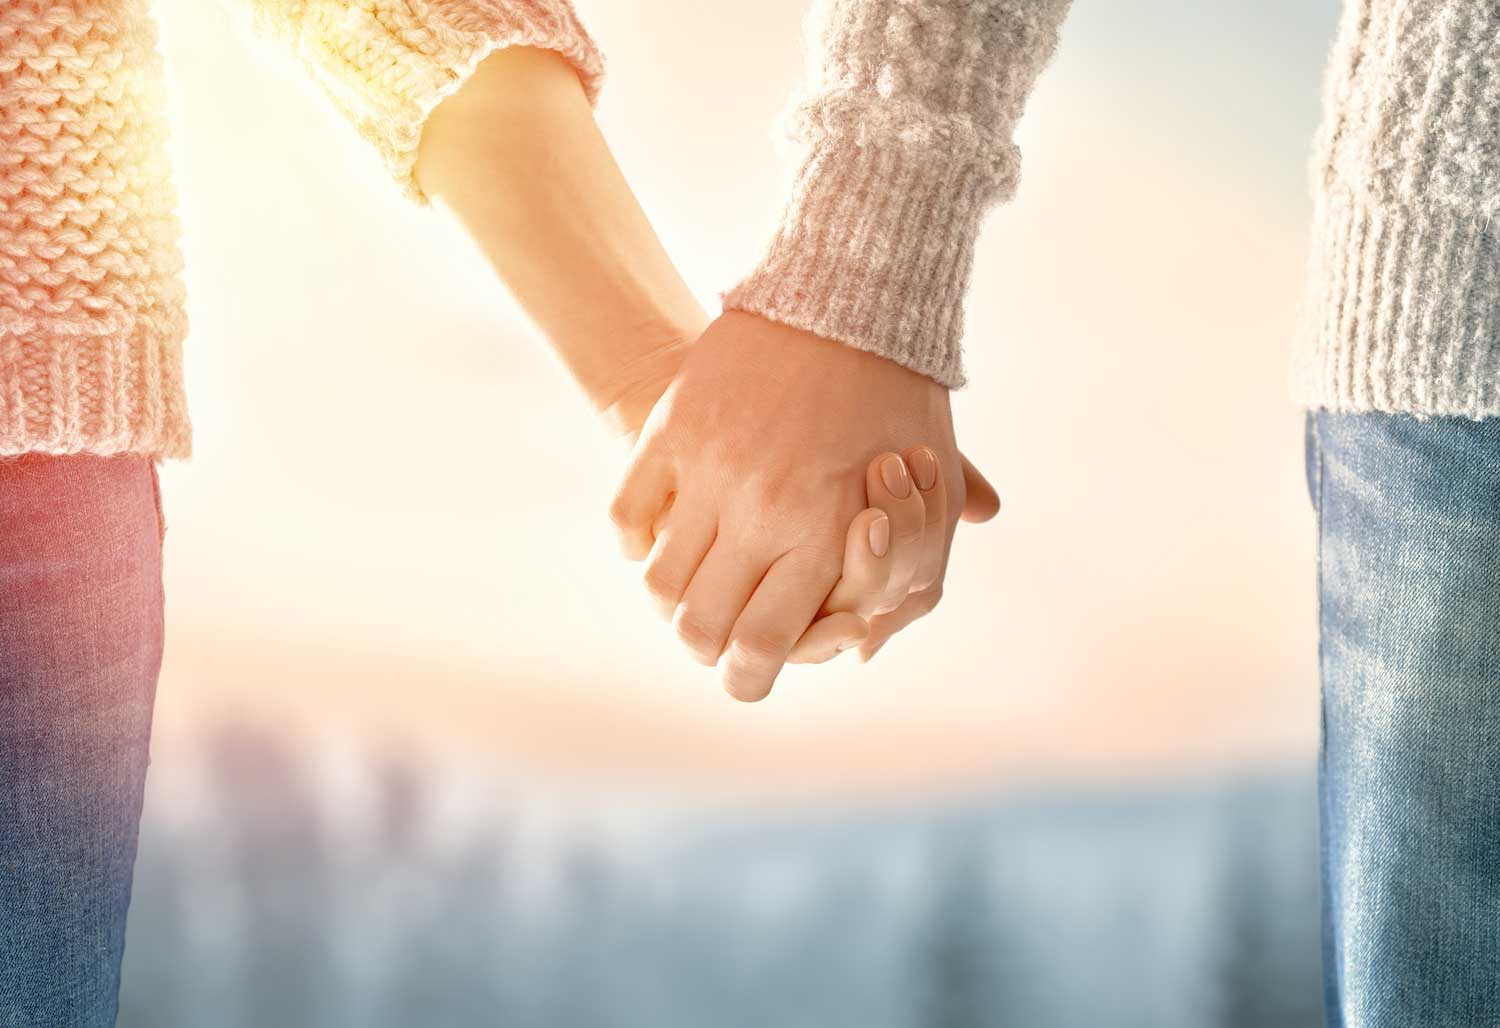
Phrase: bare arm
x=517 y=157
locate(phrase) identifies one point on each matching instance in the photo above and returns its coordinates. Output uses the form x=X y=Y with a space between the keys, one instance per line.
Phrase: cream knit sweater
x=907 y=119
x=91 y=299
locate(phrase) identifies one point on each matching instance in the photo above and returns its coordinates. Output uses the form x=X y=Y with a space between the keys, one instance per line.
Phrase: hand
x=877 y=569
x=626 y=401
x=872 y=583
x=980 y=504
x=758 y=444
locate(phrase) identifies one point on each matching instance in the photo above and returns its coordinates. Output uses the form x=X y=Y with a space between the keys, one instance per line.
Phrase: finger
x=784 y=604
x=883 y=626
x=867 y=565
x=927 y=475
x=684 y=533
x=659 y=523
x=714 y=598
x=828 y=637
x=643 y=492
x=981 y=502
x=888 y=485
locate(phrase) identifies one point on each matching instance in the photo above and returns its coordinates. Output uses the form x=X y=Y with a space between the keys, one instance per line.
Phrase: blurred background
x=424 y=754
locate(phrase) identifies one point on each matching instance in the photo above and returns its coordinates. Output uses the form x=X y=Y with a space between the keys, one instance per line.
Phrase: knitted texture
x=91 y=302
x=907 y=118
x=387 y=63
x=91 y=298
x=1403 y=298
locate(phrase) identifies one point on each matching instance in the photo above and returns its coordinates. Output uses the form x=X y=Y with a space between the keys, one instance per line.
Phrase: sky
x=394 y=521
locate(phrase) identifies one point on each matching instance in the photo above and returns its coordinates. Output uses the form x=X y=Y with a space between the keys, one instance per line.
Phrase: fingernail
x=924 y=468
x=893 y=472
x=848 y=644
x=880 y=535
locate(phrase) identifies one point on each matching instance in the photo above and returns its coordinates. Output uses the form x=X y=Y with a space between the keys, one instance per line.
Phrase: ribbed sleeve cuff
x=875 y=250
x=388 y=63
x=106 y=385
x=1403 y=311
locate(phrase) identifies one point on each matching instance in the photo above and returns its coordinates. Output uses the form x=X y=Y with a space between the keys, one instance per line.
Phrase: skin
x=871 y=581
x=758 y=441
x=517 y=158
x=743 y=494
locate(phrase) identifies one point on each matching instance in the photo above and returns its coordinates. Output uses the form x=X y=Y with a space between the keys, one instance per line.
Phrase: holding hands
x=754 y=501
x=789 y=495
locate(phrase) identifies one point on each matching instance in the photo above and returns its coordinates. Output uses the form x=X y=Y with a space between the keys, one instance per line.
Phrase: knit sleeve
x=386 y=64
x=906 y=118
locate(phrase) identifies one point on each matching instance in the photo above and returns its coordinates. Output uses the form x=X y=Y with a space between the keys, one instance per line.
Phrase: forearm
x=517 y=157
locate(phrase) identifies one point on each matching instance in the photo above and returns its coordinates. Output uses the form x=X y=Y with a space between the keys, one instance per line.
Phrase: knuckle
x=700 y=638
x=663 y=585
x=759 y=648
x=910 y=534
x=634 y=546
x=870 y=597
x=619 y=512
x=815 y=561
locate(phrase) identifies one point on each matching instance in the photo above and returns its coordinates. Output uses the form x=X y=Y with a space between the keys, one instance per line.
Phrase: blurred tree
x=403 y=795
x=588 y=934
x=958 y=982
x=1265 y=978
x=276 y=874
x=155 y=993
x=441 y=898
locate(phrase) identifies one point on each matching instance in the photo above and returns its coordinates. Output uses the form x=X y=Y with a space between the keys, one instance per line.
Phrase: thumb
x=981 y=502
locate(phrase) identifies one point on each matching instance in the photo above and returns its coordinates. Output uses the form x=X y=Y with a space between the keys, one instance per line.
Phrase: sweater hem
x=104 y=394
x=1403 y=311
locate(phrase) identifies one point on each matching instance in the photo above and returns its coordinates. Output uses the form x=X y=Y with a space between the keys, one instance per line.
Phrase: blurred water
x=295 y=884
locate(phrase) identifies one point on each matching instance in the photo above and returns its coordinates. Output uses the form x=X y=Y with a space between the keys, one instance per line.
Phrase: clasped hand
x=792 y=497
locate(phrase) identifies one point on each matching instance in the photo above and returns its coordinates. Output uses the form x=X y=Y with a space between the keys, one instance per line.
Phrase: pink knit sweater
x=91 y=298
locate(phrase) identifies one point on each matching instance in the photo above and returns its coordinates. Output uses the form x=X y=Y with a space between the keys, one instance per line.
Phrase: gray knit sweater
x=907 y=118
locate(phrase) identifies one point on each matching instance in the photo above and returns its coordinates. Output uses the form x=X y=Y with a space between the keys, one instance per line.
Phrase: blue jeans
x=1409 y=768
x=80 y=646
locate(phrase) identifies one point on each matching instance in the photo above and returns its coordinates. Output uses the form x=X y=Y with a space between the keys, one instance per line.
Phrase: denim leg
x=80 y=647
x=1409 y=584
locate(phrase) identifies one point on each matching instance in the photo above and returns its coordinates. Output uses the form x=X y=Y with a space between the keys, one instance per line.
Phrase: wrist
x=625 y=394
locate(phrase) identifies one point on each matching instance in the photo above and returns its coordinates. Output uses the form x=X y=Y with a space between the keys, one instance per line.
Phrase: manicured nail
x=924 y=468
x=848 y=644
x=893 y=472
x=880 y=535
